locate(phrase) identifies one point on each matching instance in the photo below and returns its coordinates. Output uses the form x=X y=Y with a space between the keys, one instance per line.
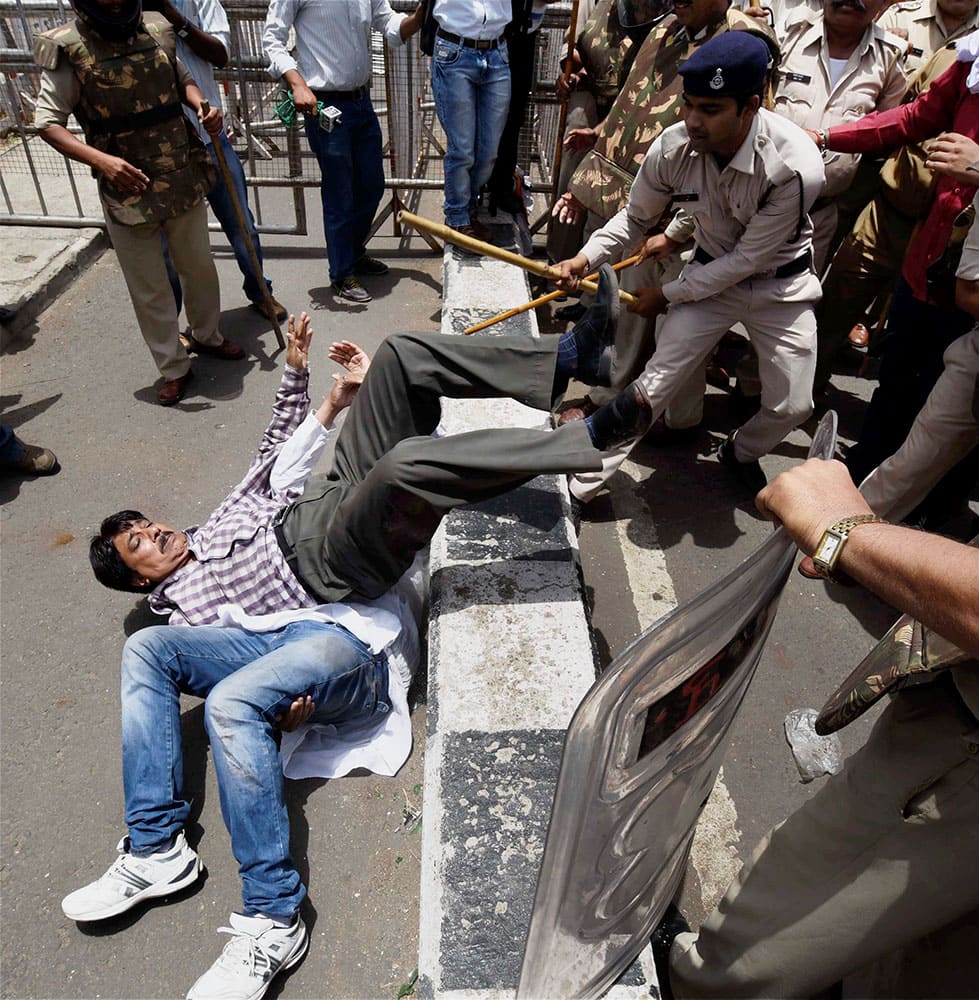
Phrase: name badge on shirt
x=685 y=199
x=798 y=78
x=917 y=52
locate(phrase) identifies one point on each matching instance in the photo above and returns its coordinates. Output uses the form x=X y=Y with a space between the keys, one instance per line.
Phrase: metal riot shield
x=640 y=759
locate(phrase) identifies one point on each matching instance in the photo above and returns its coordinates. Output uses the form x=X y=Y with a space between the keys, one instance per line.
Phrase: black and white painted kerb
x=510 y=657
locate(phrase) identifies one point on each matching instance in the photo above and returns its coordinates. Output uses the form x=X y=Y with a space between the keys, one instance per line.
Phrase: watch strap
x=840 y=530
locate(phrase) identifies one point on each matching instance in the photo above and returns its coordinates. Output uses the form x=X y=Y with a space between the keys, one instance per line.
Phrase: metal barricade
x=60 y=193
x=640 y=758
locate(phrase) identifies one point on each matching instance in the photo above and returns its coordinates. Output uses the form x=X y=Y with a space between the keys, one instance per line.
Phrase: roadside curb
x=23 y=300
x=510 y=656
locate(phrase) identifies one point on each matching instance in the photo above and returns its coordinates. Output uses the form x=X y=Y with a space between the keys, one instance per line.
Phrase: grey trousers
x=882 y=856
x=357 y=529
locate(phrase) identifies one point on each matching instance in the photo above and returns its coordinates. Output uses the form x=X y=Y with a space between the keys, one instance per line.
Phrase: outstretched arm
x=934 y=579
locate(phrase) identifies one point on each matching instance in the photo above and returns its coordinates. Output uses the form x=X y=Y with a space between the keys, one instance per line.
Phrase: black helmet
x=114 y=23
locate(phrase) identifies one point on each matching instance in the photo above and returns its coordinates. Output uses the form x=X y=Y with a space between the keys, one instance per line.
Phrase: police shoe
x=749 y=474
x=174 y=389
x=225 y=351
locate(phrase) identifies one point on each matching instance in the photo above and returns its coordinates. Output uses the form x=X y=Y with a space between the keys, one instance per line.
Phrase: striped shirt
x=237 y=559
x=333 y=39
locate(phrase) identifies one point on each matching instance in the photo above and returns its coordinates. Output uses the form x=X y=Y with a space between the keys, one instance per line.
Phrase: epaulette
x=161 y=31
x=48 y=44
x=892 y=41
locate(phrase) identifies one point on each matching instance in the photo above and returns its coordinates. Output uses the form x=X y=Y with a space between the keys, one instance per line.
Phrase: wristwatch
x=184 y=30
x=830 y=546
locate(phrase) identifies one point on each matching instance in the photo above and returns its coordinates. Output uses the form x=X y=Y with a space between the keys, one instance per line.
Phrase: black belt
x=797 y=266
x=329 y=96
x=483 y=44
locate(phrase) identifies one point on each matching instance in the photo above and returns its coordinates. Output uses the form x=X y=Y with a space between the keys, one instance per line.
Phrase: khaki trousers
x=943 y=433
x=778 y=316
x=140 y=256
x=881 y=856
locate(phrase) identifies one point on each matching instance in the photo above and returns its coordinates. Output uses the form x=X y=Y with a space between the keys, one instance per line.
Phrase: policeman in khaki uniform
x=836 y=68
x=649 y=102
x=121 y=79
x=868 y=262
x=927 y=25
x=745 y=177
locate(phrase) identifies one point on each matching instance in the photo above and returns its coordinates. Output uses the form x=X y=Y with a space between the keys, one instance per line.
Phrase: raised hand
x=299 y=334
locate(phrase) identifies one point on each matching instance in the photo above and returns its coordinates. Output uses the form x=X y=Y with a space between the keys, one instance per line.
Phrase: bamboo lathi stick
x=542 y=300
x=453 y=236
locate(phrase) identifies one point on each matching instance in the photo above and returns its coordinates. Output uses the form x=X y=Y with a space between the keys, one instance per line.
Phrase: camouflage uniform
x=127 y=97
x=868 y=262
x=648 y=103
x=605 y=51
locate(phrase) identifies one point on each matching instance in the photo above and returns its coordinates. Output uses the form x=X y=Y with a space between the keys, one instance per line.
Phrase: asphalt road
x=81 y=381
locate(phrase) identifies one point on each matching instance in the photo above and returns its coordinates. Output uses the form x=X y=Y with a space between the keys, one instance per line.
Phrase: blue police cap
x=733 y=64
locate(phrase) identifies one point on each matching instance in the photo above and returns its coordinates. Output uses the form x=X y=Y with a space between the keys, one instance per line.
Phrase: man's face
x=151 y=550
x=714 y=123
x=957 y=9
x=695 y=15
x=850 y=15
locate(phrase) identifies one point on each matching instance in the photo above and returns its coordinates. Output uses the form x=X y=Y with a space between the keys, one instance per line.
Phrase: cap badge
x=717 y=80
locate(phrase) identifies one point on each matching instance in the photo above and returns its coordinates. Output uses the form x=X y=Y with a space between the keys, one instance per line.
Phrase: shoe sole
x=187 y=877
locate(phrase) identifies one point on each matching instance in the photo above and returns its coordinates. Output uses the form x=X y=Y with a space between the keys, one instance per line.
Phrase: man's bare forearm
x=934 y=579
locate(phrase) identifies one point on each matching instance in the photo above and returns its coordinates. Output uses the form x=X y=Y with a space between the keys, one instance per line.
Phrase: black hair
x=106 y=562
x=741 y=101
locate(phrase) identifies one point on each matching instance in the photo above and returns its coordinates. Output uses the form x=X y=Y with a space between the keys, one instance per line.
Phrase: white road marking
x=714 y=853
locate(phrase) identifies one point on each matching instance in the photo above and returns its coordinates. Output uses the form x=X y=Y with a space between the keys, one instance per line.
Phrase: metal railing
x=59 y=193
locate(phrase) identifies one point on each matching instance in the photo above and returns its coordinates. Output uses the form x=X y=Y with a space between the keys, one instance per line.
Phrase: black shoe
x=593 y=334
x=570 y=313
x=628 y=416
x=672 y=924
x=370 y=266
x=749 y=474
x=351 y=290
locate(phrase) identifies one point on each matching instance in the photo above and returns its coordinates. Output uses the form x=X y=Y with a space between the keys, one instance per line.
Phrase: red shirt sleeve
x=923 y=118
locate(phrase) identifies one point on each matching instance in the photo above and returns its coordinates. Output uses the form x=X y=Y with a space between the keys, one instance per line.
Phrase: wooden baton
x=453 y=236
x=246 y=234
x=534 y=303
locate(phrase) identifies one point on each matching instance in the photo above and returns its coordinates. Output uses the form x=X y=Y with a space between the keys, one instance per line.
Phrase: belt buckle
x=483 y=44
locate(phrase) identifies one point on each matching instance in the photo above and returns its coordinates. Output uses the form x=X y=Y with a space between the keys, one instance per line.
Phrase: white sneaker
x=130 y=880
x=258 y=951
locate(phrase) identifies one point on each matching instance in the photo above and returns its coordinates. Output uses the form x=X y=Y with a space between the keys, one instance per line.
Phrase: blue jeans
x=246 y=679
x=220 y=201
x=10 y=450
x=352 y=181
x=472 y=97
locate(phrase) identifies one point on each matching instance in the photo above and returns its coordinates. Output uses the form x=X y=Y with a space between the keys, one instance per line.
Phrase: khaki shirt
x=872 y=80
x=926 y=29
x=751 y=216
